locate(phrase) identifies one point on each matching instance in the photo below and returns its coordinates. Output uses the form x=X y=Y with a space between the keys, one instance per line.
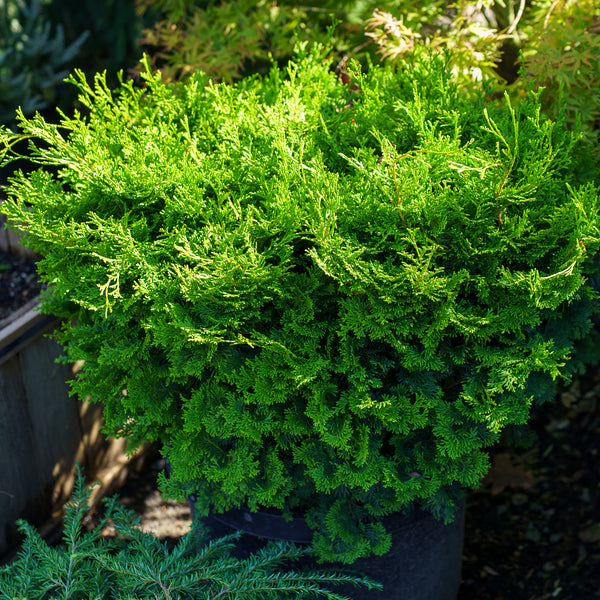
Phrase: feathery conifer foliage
x=138 y=565
x=321 y=296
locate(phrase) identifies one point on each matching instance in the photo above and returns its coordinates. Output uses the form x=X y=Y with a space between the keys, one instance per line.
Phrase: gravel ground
x=166 y=519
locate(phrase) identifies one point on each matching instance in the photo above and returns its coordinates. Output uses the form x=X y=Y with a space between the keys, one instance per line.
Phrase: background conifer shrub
x=322 y=297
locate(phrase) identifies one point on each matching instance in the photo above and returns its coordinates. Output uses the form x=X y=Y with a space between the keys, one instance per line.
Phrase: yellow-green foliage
x=559 y=42
x=562 y=56
x=229 y=39
x=465 y=33
x=320 y=296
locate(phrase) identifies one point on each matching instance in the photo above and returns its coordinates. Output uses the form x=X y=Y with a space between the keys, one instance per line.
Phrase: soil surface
x=533 y=527
x=19 y=283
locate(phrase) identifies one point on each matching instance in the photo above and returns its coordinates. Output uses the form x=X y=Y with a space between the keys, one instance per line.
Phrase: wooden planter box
x=43 y=430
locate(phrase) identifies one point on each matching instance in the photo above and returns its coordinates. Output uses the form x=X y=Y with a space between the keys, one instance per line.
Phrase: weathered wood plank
x=19 y=478
x=16 y=247
x=10 y=241
x=43 y=430
x=53 y=414
x=17 y=329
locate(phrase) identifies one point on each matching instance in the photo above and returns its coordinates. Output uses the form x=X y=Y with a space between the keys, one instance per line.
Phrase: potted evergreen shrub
x=324 y=297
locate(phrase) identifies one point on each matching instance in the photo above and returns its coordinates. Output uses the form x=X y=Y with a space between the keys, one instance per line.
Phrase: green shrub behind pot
x=322 y=297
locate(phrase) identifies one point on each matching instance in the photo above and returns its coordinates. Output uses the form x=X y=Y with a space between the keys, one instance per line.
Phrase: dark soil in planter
x=19 y=283
x=533 y=528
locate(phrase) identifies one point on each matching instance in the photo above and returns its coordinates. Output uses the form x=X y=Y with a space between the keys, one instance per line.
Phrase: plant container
x=424 y=562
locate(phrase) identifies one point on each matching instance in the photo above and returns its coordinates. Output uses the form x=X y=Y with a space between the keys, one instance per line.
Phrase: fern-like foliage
x=138 y=565
x=321 y=296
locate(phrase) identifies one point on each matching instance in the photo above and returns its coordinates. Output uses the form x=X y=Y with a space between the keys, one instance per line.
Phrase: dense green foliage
x=322 y=296
x=138 y=565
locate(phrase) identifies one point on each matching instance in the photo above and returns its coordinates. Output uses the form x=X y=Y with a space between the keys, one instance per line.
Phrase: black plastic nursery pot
x=424 y=562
